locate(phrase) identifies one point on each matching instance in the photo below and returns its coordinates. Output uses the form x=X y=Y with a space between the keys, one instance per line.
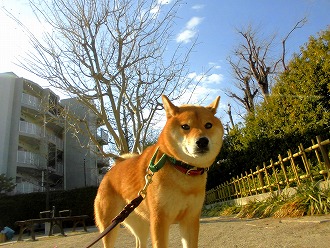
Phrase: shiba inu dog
x=191 y=140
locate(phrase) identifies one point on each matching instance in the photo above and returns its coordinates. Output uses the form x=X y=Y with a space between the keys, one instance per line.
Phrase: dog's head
x=192 y=134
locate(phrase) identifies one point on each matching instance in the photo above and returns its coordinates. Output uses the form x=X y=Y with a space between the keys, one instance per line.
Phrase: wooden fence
x=310 y=163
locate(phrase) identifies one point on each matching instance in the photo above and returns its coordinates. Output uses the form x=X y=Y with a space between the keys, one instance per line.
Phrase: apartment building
x=36 y=147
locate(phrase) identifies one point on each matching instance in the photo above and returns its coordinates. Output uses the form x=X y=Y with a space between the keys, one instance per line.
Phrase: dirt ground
x=214 y=232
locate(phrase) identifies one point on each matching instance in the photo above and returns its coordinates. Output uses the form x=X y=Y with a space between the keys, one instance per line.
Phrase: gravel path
x=215 y=232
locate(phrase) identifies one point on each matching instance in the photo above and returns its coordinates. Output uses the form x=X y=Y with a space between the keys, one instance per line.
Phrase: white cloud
x=156 y=8
x=205 y=92
x=197 y=7
x=190 y=30
x=192 y=75
x=200 y=95
x=214 y=65
x=215 y=78
x=185 y=36
x=193 y=22
x=206 y=79
x=164 y=2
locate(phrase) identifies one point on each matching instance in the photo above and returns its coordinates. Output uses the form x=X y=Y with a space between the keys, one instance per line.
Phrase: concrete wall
x=11 y=88
x=7 y=90
x=15 y=115
x=80 y=163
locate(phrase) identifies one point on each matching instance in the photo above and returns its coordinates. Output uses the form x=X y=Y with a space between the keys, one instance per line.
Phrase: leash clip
x=148 y=178
x=153 y=167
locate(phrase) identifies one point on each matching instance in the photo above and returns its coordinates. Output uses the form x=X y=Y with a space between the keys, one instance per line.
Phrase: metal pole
x=85 y=171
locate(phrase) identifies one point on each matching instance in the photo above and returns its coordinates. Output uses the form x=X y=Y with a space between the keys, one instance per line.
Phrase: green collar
x=179 y=165
x=160 y=163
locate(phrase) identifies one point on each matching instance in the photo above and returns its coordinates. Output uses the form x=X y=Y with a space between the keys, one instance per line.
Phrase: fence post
x=248 y=182
x=231 y=189
x=228 y=193
x=220 y=192
x=223 y=191
x=213 y=196
x=324 y=153
x=261 y=180
x=317 y=153
x=217 y=196
x=293 y=166
x=206 y=197
x=236 y=189
x=267 y=177
x=243 y=183
x=283 y=169
x=255 y=189
x=305 y=162
x=239 y=186
x=275 y=174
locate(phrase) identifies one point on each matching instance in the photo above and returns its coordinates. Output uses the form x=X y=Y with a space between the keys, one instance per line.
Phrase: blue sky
x=213 y=22
x=216 y=23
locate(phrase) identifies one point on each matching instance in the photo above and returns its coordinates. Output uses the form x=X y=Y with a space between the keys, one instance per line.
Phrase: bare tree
x=230 y=116
x=253 y=64
x=112 y=56
x=245 y=86
x=299 y=24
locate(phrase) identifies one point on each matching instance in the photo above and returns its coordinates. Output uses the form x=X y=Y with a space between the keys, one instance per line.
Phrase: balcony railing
x=55 y=140
x=102 y=136
x=32 y=160
x=30 y=100
x=30 y=128
x=27 y=187
x=29 y=158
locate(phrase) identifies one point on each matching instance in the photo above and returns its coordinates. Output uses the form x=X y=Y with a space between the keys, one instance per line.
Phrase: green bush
x=297 y=109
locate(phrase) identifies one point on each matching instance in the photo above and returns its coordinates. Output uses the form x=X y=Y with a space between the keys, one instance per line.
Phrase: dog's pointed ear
x=214 y=105
x=169 y=107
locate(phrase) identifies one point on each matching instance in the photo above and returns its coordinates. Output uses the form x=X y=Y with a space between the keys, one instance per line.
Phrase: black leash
x=119 y=218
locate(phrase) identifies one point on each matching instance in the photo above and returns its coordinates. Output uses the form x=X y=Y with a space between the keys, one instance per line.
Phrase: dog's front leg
x=189 y=228
x=159 y=230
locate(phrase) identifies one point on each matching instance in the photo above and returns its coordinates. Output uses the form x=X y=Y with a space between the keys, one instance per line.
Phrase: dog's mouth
x=200 y=147
x=202 y=151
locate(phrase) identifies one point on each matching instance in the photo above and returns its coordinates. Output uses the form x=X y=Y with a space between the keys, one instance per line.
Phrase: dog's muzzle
x=202 y=145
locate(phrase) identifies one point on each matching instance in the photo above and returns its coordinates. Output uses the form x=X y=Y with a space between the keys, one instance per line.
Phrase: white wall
x=7 y=87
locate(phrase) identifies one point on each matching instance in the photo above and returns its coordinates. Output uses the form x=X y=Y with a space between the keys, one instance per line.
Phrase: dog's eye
x=185 y=127
x=208 y=125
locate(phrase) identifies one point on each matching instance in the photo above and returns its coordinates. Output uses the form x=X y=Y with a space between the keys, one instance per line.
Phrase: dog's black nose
x=202 y=143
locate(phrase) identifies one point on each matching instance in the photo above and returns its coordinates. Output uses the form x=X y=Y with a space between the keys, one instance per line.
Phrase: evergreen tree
x=299 y=105
x=6 y=184
x=297 y=110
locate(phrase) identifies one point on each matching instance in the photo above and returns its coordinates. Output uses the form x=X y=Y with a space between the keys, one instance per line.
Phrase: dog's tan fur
x=172 y=197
